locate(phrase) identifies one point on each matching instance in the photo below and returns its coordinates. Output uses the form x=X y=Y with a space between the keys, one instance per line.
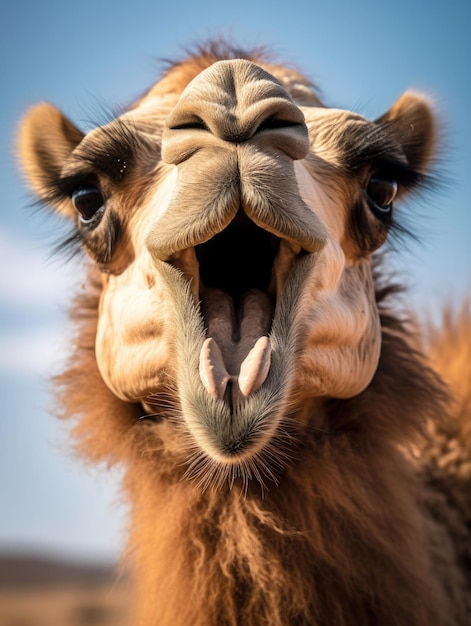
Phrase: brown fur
x=369 y=524
x=340 y=541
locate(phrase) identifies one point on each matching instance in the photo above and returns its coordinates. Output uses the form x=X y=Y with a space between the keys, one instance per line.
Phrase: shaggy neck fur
x=342 y=523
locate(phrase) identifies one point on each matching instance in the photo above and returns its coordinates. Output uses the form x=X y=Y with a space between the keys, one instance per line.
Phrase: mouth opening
x=237 y=277
x=239 y=271
x=238 y=259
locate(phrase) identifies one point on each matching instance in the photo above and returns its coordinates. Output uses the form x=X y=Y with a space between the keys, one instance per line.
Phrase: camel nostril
x=276 y=124
x=234 y=101
x=194 y=124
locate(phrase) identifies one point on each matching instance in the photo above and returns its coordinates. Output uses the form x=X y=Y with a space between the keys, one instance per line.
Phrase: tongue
x=236 y=349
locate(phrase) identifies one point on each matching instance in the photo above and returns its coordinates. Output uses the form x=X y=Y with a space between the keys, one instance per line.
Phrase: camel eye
x=87 y=201
x=381 y=192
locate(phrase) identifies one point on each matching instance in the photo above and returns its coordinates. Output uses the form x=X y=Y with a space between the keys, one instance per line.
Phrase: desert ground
x=46 y=591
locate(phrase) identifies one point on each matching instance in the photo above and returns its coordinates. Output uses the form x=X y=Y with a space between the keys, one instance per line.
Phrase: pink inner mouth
x=235 y=359
x=237 y=276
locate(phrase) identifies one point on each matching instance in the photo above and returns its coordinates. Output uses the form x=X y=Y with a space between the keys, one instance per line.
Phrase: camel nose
x=234 y=101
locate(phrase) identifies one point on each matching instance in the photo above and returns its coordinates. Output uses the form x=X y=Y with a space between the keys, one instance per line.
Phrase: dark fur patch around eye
x=369 y=232
x=370 y=149
x=373 y=145
x=101 y=242
x=105 y=161
x=366 y=232
x=363 y=142
x=112 y=152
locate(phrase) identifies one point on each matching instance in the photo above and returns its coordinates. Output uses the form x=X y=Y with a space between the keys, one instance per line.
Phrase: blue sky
x=90 y=55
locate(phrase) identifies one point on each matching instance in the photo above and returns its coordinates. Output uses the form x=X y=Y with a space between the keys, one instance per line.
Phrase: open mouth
x=235 y=261
x=237 y=277
x=238 y=258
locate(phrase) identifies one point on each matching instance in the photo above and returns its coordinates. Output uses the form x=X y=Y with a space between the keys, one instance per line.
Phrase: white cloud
x=29 y=278
x=40 y=351
x=34 y=294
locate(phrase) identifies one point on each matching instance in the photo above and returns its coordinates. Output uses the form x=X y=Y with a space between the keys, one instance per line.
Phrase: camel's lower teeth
x=255 y=367
x=213 y=372
x=253 y=370
x=236 y=350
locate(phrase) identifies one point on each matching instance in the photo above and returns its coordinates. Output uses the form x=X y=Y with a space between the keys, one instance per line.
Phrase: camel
x=296 y=447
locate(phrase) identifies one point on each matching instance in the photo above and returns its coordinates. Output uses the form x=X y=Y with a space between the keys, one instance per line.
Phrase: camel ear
x=412 y=121
x=46 y=139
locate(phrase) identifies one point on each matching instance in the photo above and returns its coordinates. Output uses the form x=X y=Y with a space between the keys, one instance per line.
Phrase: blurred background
x=62 y=524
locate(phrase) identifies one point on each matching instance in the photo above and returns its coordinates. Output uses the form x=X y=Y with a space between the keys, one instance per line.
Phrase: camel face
x=233 y=221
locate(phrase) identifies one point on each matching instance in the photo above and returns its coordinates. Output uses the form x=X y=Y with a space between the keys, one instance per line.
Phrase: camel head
x=233 y=219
